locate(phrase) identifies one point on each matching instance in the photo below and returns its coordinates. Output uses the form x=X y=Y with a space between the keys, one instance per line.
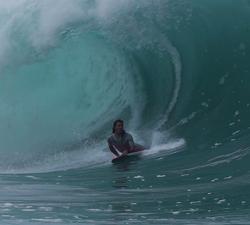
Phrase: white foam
x=42 y=29
x=48 y=220
x=166 y=149
x=54 y=15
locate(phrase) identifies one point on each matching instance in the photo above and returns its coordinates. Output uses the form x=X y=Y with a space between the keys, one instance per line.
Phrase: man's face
x=118 y=128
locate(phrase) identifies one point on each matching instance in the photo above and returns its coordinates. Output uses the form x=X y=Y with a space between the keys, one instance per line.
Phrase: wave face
x=69 y=69
x=177 y=72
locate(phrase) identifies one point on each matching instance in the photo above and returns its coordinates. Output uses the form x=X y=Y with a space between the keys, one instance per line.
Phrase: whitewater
x=176 y=72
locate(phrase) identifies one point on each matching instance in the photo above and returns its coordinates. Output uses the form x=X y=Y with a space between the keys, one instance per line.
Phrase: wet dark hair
x=114 y=124
x=113 y=129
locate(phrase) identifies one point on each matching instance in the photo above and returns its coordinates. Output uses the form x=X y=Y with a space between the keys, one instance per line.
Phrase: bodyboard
x=130 y=155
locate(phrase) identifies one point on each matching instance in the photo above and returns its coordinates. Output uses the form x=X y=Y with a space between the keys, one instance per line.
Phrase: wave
x=168 y=68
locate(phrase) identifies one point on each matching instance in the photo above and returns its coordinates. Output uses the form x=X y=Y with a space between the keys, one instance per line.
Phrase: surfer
x=120 y=140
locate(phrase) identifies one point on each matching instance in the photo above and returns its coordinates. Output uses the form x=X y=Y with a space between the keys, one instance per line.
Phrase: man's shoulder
x=110 y=137
x=128 y=135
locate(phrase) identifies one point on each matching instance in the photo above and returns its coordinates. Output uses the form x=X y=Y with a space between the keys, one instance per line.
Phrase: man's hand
x=125 y=152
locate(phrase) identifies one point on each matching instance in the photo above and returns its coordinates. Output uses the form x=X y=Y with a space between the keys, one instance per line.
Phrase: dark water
x=177 y=73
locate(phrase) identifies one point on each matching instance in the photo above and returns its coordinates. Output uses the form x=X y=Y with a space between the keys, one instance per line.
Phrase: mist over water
x=177 y=73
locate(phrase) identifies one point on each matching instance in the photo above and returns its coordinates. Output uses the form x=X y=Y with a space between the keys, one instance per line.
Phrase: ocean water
x=176 y=71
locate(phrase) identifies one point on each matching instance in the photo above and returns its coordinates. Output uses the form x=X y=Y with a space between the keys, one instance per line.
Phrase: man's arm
x=131 y=143
x=112 y=149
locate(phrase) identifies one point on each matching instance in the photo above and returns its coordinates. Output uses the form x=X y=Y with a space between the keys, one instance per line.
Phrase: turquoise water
x=177 y=73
